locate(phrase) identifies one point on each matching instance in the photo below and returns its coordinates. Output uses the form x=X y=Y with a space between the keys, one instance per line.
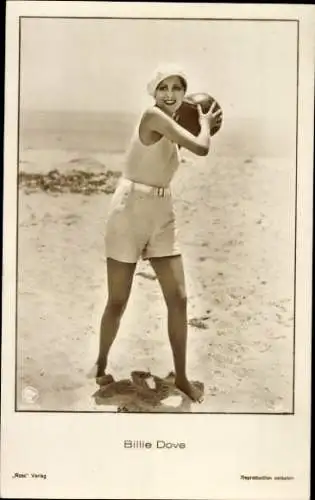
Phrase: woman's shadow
x=143 y=392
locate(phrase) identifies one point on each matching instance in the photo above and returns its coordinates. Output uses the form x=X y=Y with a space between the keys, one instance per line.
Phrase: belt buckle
x=160 y=192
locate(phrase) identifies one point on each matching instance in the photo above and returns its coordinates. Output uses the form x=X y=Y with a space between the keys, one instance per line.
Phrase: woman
x=141 y=221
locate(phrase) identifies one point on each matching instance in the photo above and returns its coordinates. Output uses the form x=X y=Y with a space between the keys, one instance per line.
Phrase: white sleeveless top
x=154 y=165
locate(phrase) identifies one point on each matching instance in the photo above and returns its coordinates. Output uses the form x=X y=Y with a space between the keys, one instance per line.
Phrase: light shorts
x=140 y=225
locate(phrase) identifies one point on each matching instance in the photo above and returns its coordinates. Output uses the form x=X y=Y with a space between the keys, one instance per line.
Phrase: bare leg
x=119 y=280
x=170 y=273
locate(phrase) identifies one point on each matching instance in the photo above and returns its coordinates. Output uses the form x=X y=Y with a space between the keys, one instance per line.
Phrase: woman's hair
x=161 y=74
x=182 y=81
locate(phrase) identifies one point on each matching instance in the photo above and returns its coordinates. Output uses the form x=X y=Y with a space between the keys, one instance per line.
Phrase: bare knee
x=177 y=300
x=116 y=306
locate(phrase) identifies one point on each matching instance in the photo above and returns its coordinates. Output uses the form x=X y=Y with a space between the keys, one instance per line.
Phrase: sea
x=110 y=132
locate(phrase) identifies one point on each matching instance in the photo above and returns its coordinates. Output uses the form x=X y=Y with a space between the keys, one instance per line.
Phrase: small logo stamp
x=30 y=394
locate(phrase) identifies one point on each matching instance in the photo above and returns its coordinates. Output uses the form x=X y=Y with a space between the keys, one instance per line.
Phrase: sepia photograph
x=156 y=215
x=157 y=251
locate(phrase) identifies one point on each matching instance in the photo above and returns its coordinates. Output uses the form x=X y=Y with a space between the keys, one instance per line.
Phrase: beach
x=235 y=214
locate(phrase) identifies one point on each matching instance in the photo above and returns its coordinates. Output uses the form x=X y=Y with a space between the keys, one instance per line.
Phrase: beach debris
x=121 y=387
x=123 y=409
x=147 y=276
x=74 y=181
x=203 y=258
x=143 y=392
x=140 y=378
x=172 y=400
x=199 y=322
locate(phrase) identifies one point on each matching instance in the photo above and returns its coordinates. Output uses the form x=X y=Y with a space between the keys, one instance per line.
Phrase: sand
x=236 y=222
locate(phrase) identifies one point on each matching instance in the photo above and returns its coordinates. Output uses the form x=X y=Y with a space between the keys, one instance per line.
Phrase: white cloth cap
x=163 y=72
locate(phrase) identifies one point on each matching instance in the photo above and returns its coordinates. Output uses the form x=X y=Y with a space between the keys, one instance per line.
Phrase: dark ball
x=187 y=115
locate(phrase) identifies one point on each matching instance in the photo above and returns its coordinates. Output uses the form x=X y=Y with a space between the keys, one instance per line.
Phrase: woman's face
x=169 y=94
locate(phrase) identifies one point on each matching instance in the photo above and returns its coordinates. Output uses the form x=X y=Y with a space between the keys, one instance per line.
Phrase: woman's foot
x=195 y=391
x=104 y=380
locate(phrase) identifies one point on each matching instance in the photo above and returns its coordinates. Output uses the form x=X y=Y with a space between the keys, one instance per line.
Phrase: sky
x=104 y=64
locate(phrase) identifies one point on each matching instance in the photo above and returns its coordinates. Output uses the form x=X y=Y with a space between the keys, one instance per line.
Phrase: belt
x=160 y=192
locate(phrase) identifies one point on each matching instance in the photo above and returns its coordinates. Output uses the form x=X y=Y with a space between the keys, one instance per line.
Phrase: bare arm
x=160 y=122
